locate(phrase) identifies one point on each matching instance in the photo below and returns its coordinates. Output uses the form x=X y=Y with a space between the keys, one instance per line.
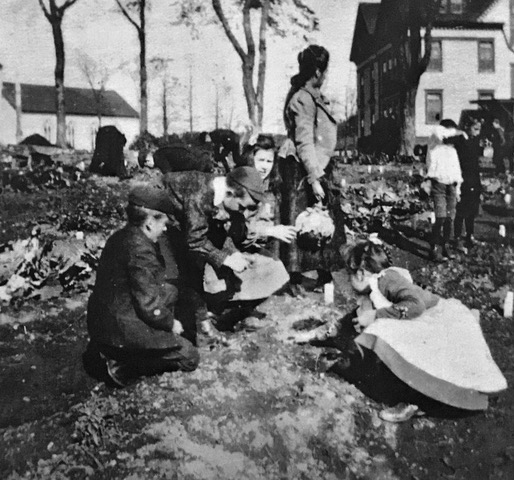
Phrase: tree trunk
x=190 y=98
x=216 y=107
x=143 y=121
x=165 y=109
x=59 y=81
x=408 y=122
x=261 y=74
x=249 y=92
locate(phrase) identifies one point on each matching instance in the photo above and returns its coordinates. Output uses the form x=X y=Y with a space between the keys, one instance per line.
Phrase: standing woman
x=305 y=155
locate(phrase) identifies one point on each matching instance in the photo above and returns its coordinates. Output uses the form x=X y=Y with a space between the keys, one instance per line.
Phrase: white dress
x=442 y=353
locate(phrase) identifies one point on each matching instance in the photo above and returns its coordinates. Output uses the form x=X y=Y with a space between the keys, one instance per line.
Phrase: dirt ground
x=261 y=407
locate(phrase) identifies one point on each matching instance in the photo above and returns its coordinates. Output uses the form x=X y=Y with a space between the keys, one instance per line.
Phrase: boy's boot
x=459 y=246
x=447 y=230
x=435 y=254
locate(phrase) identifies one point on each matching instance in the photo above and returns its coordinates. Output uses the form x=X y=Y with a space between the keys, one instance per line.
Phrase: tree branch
x=127 y=15
x=45 y=11
x=67 y=4
x=233 y=40
x=247 y=27
x=262 y=49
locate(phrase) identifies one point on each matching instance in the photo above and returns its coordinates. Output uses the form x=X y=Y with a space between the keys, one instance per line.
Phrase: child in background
x=261 y=154
x=433 y=345
x=469 y=150
x=446 y=178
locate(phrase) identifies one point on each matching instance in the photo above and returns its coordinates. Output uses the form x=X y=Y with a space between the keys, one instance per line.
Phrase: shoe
x=400 y=413
x=117 y=373
x=446 y=253
x=207 y=329
x=459 y=246
x=250 y=324
x=435 y=255
x=94 y=364
x=470 y=241
x=297 y=290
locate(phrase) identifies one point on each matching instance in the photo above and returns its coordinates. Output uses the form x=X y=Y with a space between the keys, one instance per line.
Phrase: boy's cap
x=250 y=179
x=151 y=196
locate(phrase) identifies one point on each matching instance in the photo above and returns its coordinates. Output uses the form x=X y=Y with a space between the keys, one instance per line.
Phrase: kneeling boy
x=130 y=313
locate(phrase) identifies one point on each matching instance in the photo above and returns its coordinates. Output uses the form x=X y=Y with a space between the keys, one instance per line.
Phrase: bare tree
x=135 y=12
x=54 y=14
x=169 y=84
x=349 y=125
x=275 y=15
x=412 y=22
x=96 y=76
x=223 y=104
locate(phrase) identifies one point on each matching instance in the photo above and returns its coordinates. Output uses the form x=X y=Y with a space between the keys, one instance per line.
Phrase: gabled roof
x=79 y=101
x=369 y=14
x=476 y=8
x=376 y=23
x=365 y=24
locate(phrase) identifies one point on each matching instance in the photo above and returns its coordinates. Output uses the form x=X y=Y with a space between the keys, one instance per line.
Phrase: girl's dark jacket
x=131 y=305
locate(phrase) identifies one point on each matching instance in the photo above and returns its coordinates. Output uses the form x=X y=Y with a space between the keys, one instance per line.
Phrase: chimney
x=511 y=21
x=17 y=102
x=1 y=87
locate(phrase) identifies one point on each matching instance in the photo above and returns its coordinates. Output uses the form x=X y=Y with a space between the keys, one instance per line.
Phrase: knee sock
x=447 y=230
x=470 y=226
x=457 y=227
x=436 y=231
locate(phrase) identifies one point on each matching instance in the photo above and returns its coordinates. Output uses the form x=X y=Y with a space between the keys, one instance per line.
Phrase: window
x=47 y=128
x=362 y=93
x=94 y=131
x=486 y=94
x=433 y=107
x=390 y=64
x=456 y=7
x=436 y=57
x=384 y=67
x=486 y=56
x=444 y=6
x=70 y=134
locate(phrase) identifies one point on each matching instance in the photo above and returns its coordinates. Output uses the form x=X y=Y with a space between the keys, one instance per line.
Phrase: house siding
x=84 y=127
x=459 y=81
x=7 y=123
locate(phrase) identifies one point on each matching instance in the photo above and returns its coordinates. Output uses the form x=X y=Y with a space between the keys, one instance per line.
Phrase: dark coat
x=108 y=158
x=196 y=217
x=181 y=158
x=469 y=151
x=131 y=305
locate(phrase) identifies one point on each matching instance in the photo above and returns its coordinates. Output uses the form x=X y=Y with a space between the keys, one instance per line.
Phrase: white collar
x=220 y=190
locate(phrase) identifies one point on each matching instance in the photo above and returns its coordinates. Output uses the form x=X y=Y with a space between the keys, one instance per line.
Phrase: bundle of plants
x=315 y=228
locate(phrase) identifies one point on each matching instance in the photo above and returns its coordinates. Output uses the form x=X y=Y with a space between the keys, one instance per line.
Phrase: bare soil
x=262 y=407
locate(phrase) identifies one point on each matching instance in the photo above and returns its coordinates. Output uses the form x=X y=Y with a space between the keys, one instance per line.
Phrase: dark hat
x=250 y=179
x=150 y=196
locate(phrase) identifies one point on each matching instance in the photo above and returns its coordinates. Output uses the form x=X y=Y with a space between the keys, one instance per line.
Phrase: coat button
x=156 y=312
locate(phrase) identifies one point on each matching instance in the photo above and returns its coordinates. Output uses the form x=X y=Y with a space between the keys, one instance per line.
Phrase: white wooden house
x=472 y=59
x=37 y=114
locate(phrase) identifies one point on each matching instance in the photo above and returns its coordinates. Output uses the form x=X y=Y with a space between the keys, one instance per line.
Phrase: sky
x=95 y=29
